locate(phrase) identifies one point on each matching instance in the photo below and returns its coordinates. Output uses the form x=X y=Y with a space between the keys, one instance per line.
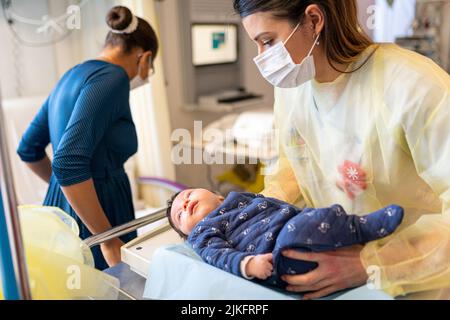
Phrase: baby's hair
x=169 y=216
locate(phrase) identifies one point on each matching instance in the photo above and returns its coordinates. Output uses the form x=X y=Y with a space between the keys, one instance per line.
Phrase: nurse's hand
x=337 y=270
x=111 y=251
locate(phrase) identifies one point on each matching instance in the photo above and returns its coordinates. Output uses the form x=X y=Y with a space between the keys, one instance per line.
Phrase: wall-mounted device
x=214 y=44
x=214 y=79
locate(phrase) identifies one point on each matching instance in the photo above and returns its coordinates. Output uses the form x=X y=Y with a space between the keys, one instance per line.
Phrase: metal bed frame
x=126 y=228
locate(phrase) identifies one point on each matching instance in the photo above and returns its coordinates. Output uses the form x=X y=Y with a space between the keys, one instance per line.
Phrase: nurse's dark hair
x=119 y=18
x=343 y=36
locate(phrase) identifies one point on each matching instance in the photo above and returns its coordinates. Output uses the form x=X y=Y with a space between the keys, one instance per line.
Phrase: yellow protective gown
x=375 y=137
x=60 y=265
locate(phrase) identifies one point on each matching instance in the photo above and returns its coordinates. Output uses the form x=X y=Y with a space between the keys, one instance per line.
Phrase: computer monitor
x=214 y=44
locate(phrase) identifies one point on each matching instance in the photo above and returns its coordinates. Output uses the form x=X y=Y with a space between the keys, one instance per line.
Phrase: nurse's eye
x=267 y=43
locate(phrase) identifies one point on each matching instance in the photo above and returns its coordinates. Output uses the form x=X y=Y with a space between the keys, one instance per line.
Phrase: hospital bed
x=159 y=265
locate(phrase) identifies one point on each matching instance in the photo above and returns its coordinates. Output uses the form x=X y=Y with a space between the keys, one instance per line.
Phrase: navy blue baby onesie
x=248 y=224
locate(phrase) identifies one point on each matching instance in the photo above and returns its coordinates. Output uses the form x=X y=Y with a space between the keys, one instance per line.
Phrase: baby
x=245 y=233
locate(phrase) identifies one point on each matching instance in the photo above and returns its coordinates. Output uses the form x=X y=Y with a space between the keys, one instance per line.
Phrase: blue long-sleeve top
x=87 y=119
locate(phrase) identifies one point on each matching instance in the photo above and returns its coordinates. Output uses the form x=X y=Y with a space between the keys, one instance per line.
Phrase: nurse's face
x=266 y=30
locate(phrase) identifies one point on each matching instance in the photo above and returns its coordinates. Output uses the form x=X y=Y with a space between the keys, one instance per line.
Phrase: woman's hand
x=111 y=251
x=260 y=266
x=42 y=168
x=337 y=270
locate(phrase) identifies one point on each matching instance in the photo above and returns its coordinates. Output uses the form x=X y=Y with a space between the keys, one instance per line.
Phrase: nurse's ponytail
x=128 y=31
x=343 y=37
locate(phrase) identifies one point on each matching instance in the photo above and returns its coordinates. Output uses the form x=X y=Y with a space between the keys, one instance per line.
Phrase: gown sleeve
x=417 y=259
x=36 y=138
x=96 y=109
x=281 y=182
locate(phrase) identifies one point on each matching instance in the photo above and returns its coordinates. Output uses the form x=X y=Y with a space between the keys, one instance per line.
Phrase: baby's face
x=191 y=206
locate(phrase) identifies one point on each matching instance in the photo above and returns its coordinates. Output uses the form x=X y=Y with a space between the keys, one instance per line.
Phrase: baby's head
x=188 y=207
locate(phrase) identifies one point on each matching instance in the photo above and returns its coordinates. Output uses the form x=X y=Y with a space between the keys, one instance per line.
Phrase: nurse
x=87 y=120
x=364 y=125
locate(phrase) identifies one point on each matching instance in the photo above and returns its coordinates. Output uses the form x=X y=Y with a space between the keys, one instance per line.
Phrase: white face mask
x=277 y=66
x=137 y=81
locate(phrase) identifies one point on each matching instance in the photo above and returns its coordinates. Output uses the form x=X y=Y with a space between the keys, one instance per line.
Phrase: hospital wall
x=169 y=11
x=33 y=71
x=19 y=65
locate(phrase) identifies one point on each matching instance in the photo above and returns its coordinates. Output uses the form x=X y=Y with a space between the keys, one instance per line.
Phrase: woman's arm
x=33 y=143
x=83 y=199
x=42 y=168
x=418 y=258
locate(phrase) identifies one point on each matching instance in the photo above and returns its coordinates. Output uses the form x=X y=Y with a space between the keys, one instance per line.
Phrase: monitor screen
x=214 y=44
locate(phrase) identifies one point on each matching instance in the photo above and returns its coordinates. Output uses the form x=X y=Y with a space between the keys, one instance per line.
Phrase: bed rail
x=126 y=228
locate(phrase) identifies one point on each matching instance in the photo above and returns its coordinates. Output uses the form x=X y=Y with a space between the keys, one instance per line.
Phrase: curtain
x=393 y=19
x=30 y=189
x=88 y=41
x=150 y=110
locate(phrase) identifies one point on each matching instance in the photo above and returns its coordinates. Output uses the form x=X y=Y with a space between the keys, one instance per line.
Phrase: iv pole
x=13 y=270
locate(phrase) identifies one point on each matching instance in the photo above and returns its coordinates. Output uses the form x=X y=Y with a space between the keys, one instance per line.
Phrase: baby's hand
x=260 y=266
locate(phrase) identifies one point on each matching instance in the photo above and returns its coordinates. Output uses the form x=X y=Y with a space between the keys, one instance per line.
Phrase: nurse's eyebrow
x=260 y=35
